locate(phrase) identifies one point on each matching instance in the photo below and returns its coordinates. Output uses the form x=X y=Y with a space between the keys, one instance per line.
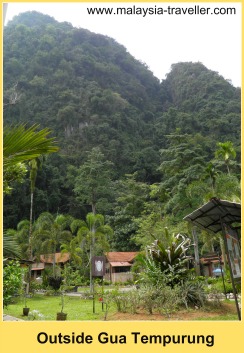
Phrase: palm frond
x=21 y=144
x=10 y=246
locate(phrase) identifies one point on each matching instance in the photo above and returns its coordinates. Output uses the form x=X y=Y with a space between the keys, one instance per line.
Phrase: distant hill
x=91 y=92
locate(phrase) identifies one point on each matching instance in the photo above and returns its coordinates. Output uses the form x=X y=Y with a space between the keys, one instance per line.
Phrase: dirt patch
x=180 y=315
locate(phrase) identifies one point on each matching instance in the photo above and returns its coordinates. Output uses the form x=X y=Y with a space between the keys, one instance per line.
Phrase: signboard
x=234 y=251
x=98 y=266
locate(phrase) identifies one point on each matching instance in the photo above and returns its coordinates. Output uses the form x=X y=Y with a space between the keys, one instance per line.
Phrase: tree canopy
x=140 y=151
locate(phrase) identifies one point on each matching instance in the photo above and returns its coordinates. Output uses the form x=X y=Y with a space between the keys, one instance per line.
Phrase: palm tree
x=11 y=247
x=226 y=151
x=211 y=173
x=20 y=237
x=34 y=166
x=50 y=232
x=92 y=233
x=21 y=144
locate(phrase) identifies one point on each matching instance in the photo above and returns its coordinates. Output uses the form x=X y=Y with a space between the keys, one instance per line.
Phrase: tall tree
x=34 y=165
x=226 y=151
x=93 y=183
x=130 y=201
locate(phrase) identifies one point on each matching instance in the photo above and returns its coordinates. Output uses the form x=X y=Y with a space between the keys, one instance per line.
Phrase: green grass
x=82 y=309
x=226 y=317
x=76 y=308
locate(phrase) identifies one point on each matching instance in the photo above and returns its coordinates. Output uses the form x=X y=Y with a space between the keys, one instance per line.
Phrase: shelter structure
x=118 y=266
x=214 y=213
x=210 y=263
x=225 y=217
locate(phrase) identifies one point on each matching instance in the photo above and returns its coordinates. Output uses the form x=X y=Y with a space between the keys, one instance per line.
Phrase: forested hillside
x=141 y=152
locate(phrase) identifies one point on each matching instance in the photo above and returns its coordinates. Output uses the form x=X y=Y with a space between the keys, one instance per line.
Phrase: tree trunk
x=93 y=230
x=91 y=284
x=30 y=230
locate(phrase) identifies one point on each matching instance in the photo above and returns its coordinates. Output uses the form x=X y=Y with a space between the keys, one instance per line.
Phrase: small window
x=122 y=269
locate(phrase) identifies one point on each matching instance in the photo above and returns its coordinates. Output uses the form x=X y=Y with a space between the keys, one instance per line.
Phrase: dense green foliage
x=166 y=263
x=12 y=281
x=141 y=152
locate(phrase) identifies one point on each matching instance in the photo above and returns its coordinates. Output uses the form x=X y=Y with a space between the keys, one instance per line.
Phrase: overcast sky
x=159 y=40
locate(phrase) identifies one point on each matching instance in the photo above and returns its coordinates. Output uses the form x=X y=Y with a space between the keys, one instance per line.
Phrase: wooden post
x=196 y=252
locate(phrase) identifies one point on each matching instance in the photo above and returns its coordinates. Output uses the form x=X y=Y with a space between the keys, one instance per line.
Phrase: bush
x=217 y=284
x=133 y=298
x=119 y=299
x=148 y=297
x=54 y=282
x=161 y=298
x=12 y=281
x=192 y=293
x=168 y=300
x=34 y=286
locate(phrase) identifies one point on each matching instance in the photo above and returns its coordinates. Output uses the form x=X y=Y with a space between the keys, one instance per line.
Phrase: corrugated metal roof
x=208 y=216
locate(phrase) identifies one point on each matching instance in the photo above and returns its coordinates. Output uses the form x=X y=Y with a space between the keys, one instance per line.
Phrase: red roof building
x=47 y=261
x=118 y=266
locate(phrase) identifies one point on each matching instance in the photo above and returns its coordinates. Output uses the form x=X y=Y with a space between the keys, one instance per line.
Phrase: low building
x=118 y=266
x=48 y=261
x=209 y=263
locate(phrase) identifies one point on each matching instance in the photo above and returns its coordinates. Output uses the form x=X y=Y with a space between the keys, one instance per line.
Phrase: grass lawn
x=82 y=309
x=76 y=308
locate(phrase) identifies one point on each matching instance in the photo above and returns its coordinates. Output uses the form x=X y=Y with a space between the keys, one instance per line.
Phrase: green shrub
x=54 y=282
x=34 y=286
x=12 y=281
x=133 y=298
x=148 y=297
x=168 y=300
x=192 y=293
x=217 y=284
x=119 y=299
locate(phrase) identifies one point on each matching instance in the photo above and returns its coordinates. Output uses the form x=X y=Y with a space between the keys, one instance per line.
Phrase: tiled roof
x=59 y=257
x=121 y=256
